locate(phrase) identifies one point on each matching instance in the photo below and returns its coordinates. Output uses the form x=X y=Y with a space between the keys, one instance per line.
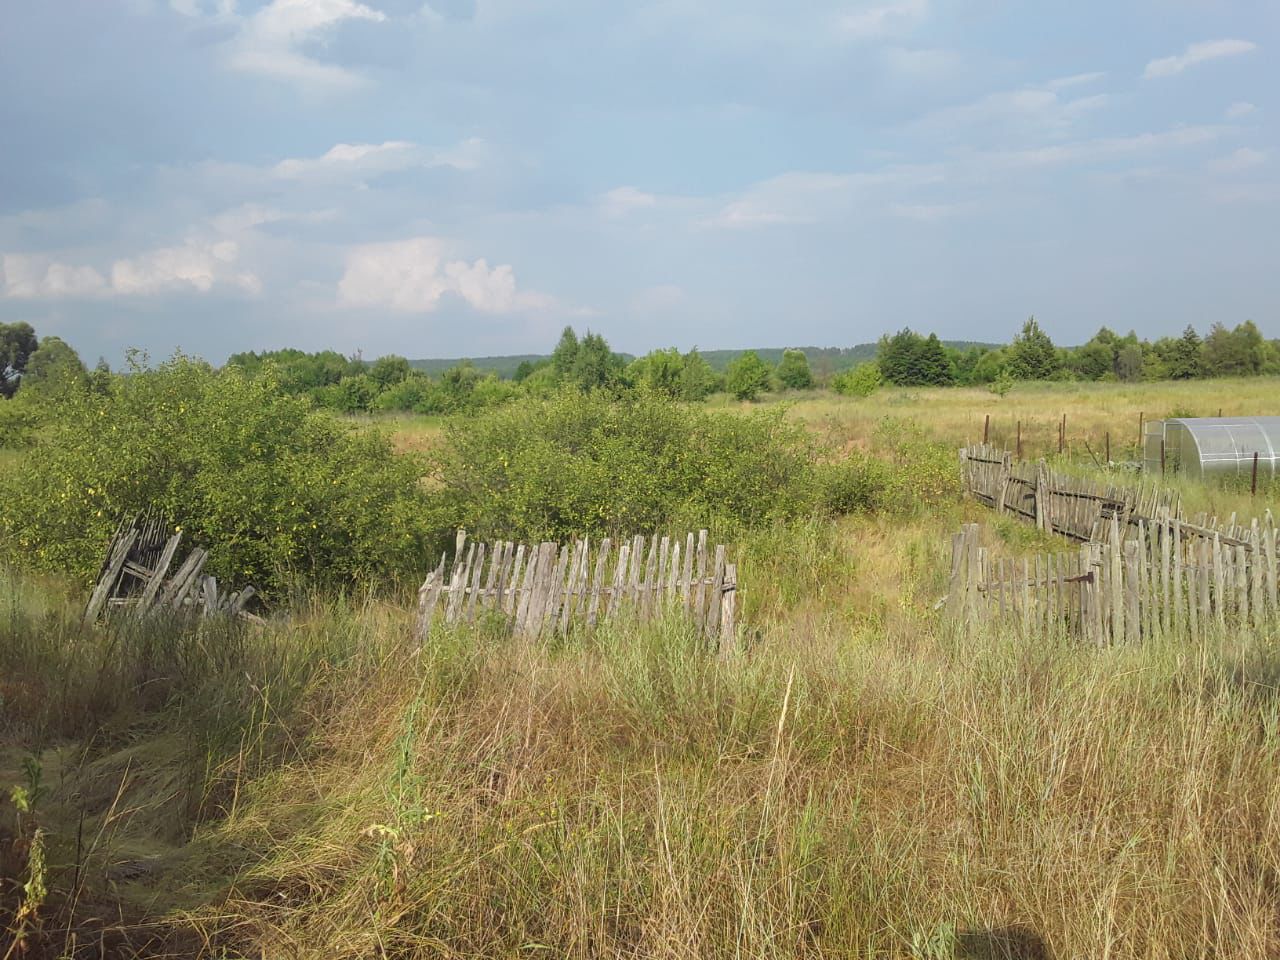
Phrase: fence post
x=1253 y=487
x=728 y=612
x=1018 y=449
x=986 y=428
x=1141 y=417
x=1108 y=461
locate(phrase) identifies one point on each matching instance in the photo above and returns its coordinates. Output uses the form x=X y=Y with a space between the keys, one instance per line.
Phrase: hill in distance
x=823 y=360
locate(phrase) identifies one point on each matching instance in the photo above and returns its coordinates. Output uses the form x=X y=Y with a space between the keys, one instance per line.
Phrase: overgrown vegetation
x=275 y=489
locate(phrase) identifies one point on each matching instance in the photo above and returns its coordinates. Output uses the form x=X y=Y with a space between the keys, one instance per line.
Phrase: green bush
x=577 y=463
x=272 y=487
x=18 y=422
x=860 y=381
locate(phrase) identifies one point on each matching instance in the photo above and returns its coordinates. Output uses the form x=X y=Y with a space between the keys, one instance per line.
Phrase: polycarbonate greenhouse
x=1212 y=447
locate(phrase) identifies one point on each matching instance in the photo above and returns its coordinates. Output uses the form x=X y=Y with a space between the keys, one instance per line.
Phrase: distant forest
x=30 y=365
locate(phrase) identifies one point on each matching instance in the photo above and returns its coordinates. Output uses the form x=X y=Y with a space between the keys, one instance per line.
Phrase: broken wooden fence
x=1083 y=509
x=135 y=575
x=1155 y=582
x=543 y=588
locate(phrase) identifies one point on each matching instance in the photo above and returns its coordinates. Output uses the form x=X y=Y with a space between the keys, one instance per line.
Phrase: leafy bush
x=18 y=423
x=576 y=464
x=272 y=487
x=860 y=381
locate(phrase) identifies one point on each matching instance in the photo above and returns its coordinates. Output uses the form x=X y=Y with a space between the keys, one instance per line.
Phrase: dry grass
x=858 y=783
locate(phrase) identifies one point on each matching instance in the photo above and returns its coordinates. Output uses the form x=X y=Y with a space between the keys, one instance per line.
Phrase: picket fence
x=135 y=576
x=1082 y=509
x=1155 y=582
x=546 y=587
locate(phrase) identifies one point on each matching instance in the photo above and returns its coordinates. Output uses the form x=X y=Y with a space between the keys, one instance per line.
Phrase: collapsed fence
x=549 y=587
x=1082 y=509
x=1156 y=583
x=135 y=577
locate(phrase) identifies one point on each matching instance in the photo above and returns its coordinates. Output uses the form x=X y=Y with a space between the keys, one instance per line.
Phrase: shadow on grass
x=1003 y=943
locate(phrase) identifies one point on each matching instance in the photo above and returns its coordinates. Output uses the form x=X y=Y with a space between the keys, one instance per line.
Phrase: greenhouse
x=1213 y=447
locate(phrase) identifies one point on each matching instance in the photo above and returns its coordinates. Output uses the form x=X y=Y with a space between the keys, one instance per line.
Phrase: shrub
x=272 y=487
x=18 y=423
x=861 y=381
x=576 y=464
x=747 y=377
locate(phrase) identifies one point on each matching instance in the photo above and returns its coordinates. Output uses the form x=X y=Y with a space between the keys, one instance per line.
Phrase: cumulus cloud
x=1197 y=53
x=1103 y=148
x=25 y=277
x=1240 y=109
x=885 y=19
x=192 y=266
x=415 y=275
x=272 y=40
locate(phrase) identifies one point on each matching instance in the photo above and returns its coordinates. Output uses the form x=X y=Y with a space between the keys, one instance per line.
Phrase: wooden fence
x=1082 y=509
x=135 y=576
x=1155 y=582
x=546 y=587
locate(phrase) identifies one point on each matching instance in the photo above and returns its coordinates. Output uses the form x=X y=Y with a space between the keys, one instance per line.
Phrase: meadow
x=861 y=780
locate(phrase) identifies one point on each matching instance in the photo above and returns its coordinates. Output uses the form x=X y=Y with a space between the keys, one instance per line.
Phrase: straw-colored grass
x=858 y=782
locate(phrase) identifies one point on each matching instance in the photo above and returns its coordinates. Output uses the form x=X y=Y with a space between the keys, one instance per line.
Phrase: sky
x=466 y=177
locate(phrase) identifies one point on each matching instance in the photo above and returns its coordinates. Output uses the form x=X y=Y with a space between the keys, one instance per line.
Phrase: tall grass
x=849 y=786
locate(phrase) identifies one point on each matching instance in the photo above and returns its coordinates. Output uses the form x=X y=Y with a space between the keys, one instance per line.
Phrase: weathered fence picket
x=559 y=585
x=134 y=576
x=1154 y=583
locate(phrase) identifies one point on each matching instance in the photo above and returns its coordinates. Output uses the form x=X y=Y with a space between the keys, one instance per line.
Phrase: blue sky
x=464 y=177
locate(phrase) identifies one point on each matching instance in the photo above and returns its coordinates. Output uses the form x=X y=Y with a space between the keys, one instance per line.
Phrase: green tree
x=1235 y=353
x=697 y=380
x=17 y=343
x=1032 y=355
x=910 y=360
x=565 y=355
x=1183 y=360
x=596 y=366
x=389 y=370
x=53 y=366
x=660 y=370
x=747 y=376
x=793 y=371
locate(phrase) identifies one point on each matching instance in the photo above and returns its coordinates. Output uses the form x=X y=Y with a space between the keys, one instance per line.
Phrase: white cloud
x=271 y=41
x=1031 y=110
x=1195 y=54
x=808 y=197
x=1240 y=109
x=885 y=19
x=194 y=265
x=414 y=275
x=1102 y=148
x=1075 y=80
x=1241 y=160
x=28 y=277
x=357 y=161
x=624 y=200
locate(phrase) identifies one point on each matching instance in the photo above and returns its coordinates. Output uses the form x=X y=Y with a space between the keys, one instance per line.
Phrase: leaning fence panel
x=543 y=588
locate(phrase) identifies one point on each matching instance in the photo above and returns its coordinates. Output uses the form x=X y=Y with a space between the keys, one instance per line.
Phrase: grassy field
x=859 y=782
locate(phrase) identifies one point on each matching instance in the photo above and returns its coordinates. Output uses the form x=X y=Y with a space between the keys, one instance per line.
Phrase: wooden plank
x=179 y=580
x=728 y=612
x=700 y=594
x=511 y=598
x=157 y=579
x=491 y=580
x=619 y=580
x=428 y=596
x=660 y=587
x=1242 y=585
x=597 y=585
x=181 y=588
x=686 y=581
x=1132 y=591
x=1219 y=583
x=1272 y=577
x=712 y=623
x=525 y=592
x=473 y=595
x=555 y=592
x=107 y=582
x=649 y=587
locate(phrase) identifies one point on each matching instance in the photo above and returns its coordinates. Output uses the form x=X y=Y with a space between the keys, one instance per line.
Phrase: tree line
x=587 y=363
